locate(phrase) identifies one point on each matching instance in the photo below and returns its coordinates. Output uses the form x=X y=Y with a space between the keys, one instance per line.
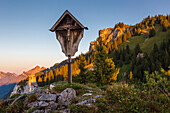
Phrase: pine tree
x=127 y=49
x=83 y=71
x=137 y=49
x=104 y=68
x=152 y=33
x=121 y=61
x=127 y=61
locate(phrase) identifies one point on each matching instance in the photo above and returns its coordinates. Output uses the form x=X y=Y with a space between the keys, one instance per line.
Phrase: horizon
x=27 y=42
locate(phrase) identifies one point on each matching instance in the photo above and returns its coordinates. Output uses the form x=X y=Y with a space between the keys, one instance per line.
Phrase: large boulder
x=65 y=97
x=47 y=97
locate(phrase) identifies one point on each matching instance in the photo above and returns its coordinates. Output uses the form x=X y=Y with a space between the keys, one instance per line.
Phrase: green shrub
x=14 y=96
x=82 y=109
x=32 y=98
x=17 y=107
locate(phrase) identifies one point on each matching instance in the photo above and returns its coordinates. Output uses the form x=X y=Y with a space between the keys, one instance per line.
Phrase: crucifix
x=69 y=31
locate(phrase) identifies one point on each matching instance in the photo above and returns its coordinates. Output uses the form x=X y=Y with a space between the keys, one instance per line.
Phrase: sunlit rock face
x=108 y=35
x=25 y=86
x=31 y=82
x=24 y=89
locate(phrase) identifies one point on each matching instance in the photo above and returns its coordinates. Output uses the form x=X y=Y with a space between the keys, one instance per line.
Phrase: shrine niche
x=69 y=31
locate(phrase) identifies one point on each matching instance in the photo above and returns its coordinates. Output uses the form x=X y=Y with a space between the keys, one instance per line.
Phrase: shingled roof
x=60 y=19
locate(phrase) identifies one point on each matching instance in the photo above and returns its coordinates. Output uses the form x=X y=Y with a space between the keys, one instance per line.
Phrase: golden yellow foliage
x=131 y=74
x=115 y=73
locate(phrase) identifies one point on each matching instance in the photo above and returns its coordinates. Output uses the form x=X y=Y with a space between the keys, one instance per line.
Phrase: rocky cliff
x=108 y=35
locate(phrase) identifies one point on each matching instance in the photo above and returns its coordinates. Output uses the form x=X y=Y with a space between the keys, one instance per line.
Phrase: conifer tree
x=83 y=71
x=104 y=68
x=127 y=49
x=137 y=49
x=152 y=33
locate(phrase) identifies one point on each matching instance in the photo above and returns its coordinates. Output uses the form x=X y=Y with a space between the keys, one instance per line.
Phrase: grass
x=122 y=97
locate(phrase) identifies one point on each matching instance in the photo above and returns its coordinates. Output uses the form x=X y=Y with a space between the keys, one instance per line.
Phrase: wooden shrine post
x=69 y=31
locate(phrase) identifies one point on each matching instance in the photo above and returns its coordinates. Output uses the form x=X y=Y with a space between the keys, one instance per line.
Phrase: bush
x=82 y=109
x=14 y=96
x=32 y=98
x=122 y=97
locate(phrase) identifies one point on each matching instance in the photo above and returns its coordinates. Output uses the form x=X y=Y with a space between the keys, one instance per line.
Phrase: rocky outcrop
x=47 y=100
x=108 y=35
x=65 y=97
x=47 y=97
x=29 y=84
x=23 y=88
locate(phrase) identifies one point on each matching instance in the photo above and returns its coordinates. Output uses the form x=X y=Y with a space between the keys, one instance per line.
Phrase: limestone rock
x=65 y=97
x=52 y=86
x=87 y=94
x=38 y=111
x=53 y=105
x=42 y=104
x=47 y=97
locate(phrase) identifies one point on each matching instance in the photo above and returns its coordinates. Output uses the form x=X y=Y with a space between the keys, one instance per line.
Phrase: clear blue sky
x=25 y=39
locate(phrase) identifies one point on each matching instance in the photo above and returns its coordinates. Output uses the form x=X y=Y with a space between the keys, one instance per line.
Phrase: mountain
x=109 y=34
x=24 y=75
x=6 y=78
x=115 y=41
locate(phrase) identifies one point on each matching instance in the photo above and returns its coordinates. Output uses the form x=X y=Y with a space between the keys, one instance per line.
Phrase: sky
x=25 y=39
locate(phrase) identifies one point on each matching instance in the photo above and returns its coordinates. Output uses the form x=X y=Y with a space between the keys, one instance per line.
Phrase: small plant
x=32 y=98
x=82 y=109
x=30 y=110
x=14 y=96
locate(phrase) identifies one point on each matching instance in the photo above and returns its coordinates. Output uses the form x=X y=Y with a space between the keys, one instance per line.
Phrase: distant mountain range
x=8 y=80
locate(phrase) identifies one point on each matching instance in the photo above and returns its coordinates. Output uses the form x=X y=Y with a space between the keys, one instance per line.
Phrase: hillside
x=114 y=40
x=127 y=69
x=79 y=98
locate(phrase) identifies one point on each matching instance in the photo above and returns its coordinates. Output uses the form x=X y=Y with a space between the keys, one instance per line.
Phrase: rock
x=85 y=101
x=67 y=110
x=87 y=94
x=65 y=97
x=53 y=105
x=38 y=111
x=52 y=86
x=47 y=111
x=90 y=91
x=47 y=91
x=90 y=100
x=89 y=104
x=31 y=105
x=42 y=104
x=98 y=96
x=47 y=97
